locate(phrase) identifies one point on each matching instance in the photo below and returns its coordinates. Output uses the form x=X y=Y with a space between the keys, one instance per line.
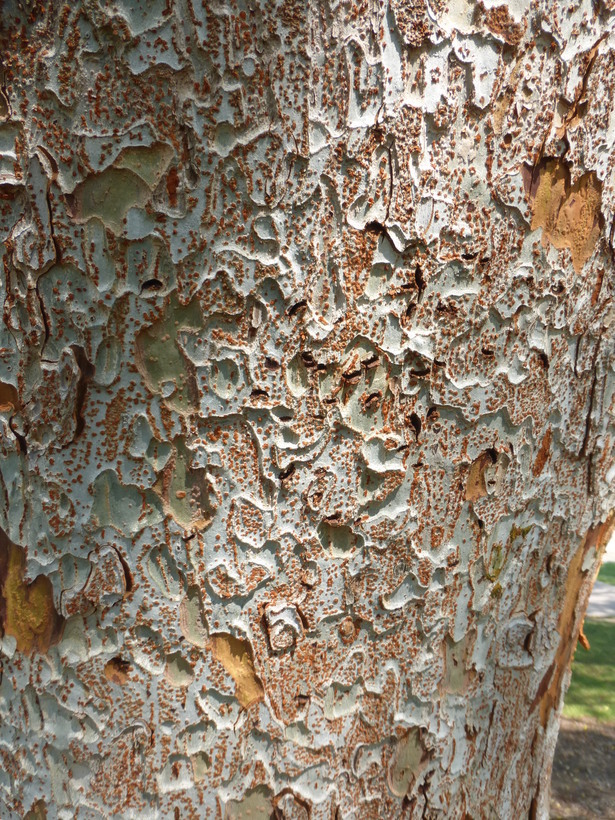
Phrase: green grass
x=607 y=573
x=592 y=688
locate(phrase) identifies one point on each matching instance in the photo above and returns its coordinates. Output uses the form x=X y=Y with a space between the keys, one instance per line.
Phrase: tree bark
x=306 y=401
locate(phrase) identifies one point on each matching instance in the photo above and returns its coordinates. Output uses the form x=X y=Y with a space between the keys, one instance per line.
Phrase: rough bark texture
x=307 y=401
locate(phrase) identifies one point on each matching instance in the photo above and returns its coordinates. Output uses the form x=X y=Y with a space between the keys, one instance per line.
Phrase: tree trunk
x=306 y=401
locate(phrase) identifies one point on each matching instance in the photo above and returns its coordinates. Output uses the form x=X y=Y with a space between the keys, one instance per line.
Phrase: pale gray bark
x=306 y=401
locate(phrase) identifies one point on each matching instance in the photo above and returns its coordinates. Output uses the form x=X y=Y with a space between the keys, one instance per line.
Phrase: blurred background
x=583 y=783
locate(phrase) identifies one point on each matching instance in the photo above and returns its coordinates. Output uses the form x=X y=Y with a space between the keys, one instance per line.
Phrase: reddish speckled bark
x=306 y=401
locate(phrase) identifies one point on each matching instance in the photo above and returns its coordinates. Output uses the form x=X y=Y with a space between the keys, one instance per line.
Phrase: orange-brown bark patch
x=570 y=621
x=236 y=657
x=27 y=610
x=569 y=215
x=476 y=485
x=543 y=454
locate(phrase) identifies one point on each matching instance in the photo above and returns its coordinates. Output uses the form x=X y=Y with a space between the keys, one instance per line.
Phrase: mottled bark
x=306 y=401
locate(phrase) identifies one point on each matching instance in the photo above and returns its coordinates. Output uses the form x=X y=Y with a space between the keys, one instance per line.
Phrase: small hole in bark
x=287 y=472
x=415 y=421
x=298 y=306
x=151 y=285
